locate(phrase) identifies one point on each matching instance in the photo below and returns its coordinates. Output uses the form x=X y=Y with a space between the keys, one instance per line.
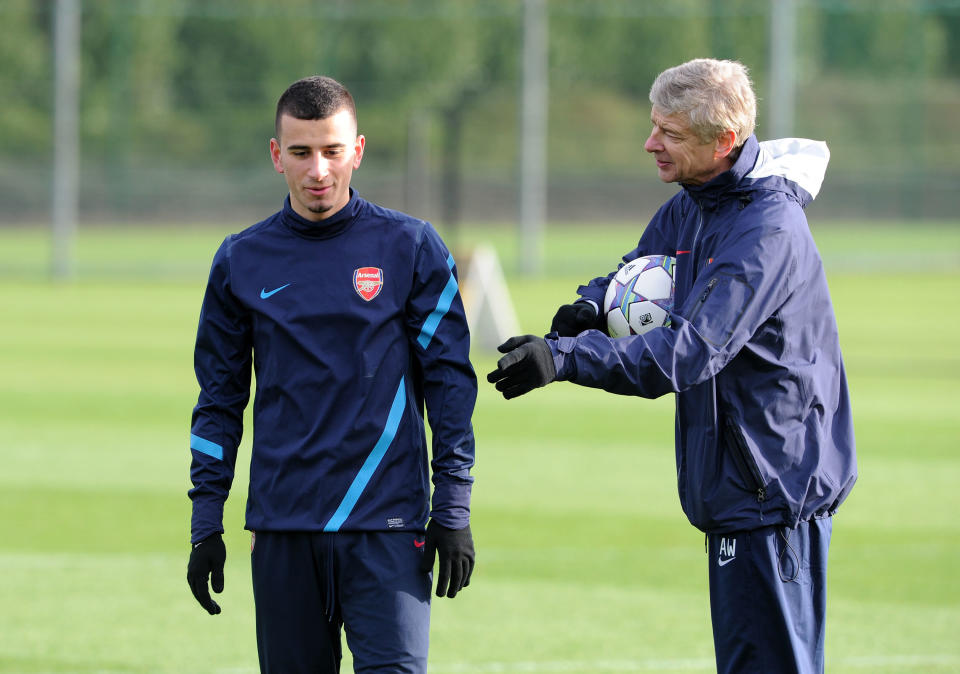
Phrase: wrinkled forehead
x=678 y=122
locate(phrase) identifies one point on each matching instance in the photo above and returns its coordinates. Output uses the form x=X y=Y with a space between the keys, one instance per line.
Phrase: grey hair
x=716 y=96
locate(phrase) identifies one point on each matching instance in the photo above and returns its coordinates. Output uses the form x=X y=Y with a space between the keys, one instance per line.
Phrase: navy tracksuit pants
x=307 y=585
x=768 y=598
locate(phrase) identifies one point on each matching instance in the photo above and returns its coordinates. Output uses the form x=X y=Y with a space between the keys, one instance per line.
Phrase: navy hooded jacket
x=350 y=325
x=764 y=434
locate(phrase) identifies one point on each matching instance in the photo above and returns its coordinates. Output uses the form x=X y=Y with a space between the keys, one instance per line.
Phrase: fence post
x=66 y=48
x=783 y=78
x=533 y=137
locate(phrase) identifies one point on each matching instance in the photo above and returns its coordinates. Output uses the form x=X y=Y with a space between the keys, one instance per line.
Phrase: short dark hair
x=316 y=97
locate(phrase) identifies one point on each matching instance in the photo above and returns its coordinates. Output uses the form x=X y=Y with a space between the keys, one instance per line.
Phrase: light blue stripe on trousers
x=373 y=460
x=443 y=306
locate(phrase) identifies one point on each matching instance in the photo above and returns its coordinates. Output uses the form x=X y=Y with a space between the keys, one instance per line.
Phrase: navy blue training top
x=352 y=326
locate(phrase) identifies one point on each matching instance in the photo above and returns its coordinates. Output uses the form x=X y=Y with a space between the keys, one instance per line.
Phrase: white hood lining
x=799 y=160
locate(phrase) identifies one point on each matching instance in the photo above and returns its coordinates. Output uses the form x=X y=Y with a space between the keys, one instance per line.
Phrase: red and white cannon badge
x=368 y=282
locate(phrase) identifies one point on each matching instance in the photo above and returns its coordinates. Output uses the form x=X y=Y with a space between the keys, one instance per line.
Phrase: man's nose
x=319 y=166
x=653 y=143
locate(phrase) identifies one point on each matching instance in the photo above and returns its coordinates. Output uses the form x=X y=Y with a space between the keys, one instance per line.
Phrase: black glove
x=527 y=365
x=572 y=319
x=456 y=557
x=207 y=559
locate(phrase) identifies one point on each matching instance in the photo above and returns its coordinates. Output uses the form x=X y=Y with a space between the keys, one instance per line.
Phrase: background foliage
x=178 y=95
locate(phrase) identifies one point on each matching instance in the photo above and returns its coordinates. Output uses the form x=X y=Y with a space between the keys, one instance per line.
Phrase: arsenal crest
x=368 y=282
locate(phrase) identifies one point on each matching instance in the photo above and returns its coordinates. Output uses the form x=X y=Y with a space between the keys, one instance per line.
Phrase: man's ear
x=725 y=144
x=358 y=151
x=275 y=155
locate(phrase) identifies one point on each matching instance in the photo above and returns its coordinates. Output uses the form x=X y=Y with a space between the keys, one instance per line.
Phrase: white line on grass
x=868 y=661
x=856 y=662
x=861 y=662
x=864 y=662
x=575 y=666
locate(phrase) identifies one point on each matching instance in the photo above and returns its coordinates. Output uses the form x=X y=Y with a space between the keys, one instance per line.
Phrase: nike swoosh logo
x=264 y=294
x=724 y=562
x=419 y=544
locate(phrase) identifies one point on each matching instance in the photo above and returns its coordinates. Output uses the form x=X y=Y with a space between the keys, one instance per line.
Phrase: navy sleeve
x=743 y=287
x=222 y=361
x=440 y=339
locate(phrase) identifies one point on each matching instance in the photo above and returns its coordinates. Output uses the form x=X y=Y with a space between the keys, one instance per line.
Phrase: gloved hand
x=456 y=557
x=572 y=319
x=207 y=559
x=527 y=365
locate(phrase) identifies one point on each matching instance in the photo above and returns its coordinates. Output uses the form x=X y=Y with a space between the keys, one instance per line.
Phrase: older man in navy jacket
x=764 y=435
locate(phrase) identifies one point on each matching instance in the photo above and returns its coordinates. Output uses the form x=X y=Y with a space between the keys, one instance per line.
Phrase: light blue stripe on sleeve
x=443 y=306
x=373 y=460
x=206 y=447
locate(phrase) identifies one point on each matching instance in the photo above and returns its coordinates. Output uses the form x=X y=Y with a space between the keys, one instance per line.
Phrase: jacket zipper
x=706 y=291
x=744 y=460
x=711 y=284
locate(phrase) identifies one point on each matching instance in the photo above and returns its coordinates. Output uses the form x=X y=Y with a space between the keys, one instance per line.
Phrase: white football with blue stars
x=640 y=296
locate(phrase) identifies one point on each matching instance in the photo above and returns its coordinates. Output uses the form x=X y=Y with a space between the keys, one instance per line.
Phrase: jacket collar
x=326 y=228
x=712 y=190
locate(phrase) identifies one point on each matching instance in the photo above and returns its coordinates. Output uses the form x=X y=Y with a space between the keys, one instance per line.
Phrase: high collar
x=326 y=228
x=729 y=179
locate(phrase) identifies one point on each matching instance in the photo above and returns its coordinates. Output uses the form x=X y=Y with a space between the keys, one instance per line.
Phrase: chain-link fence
x=176 y=101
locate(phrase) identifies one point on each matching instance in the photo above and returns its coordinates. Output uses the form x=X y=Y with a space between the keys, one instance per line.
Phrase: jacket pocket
x=743 y=459
x=720 y=308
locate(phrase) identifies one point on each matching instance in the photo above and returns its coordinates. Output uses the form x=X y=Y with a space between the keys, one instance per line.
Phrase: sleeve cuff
x=593 y=304
x=561 y=348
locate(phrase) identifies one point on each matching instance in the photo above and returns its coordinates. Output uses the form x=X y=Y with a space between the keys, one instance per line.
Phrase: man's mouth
x=318 y=191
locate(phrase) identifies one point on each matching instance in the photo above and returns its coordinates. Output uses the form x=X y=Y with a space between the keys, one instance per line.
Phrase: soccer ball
x=640 y=296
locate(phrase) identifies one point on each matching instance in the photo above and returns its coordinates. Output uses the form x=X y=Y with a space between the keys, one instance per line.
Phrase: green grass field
x=586 y=563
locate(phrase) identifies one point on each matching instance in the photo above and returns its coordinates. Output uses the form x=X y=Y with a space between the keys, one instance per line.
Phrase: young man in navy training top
x=764 y=437
x=349 y=315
